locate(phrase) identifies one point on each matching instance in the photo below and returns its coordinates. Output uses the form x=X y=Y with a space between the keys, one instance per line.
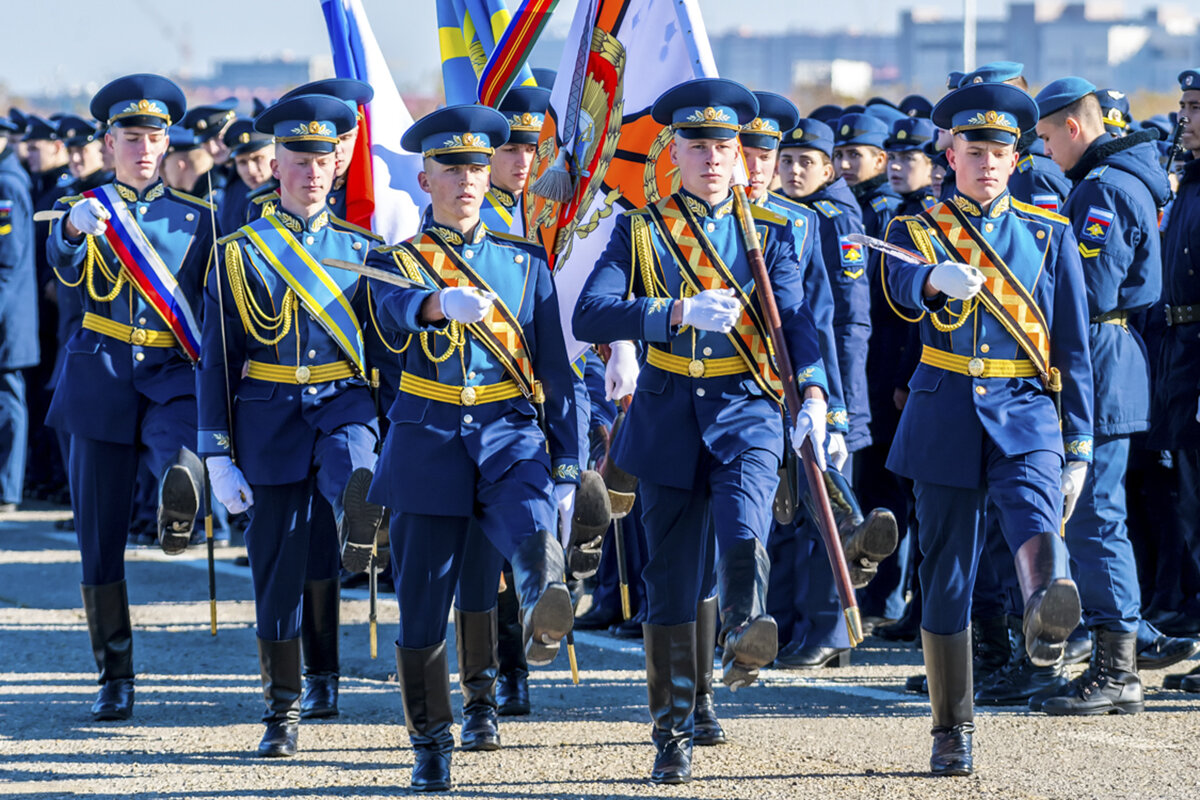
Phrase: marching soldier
x=136 y=250
x=252 y=153
x=525 y=109
x=1002 y=289
x=707 y=370
x=208 y=125
x=1114 y=213
x=465 y=464
x=283 y=344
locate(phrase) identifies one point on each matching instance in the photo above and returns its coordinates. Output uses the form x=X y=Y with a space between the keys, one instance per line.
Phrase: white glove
x=712 y=310
x=1073 y=475
x=960 y=281
x=228 y=484
x=564 y=499
x=1198 y=410
x=621 y=371
x=88 y=217
x=465 y=305
x=837 y=450
x=810 y=424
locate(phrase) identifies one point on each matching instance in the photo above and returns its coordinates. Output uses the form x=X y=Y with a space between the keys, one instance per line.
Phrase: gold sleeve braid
x=378 y=330
x=454 y=331
x=252 y=315
x=644 y=259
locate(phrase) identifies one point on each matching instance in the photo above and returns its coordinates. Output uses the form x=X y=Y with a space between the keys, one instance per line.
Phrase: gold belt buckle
x=303 y=374
x=138 y=337
x=975 y=367
x=467 y=396
x=696 y=368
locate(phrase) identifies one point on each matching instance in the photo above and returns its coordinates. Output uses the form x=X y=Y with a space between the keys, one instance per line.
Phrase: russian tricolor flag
x=1098 y=222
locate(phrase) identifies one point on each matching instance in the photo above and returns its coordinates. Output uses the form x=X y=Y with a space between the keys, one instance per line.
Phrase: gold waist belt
x=458 y=395
x=316 y=373
x=978 y=367
x=141 y=337
x=696 y=367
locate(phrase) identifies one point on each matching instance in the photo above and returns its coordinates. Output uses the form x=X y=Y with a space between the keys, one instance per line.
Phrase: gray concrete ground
x=846 y=733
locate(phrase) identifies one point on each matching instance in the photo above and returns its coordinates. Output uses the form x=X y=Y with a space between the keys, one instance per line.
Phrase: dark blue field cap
x=916 y=105
x=986 y=112
x=954 y=79
x=525 y=109
x=462 y=134
x=911 y=133
x=308 y=123
x=143 y=99
x=993 y=72
x=242 y=138
x=1189 y=79
x=209 y=120
x=351 y=92
x=886 y=112
x=827 y=113
x=860 y=129
x=1059 y=94
x=544 y=77
x=1115 y=107
x=40 y=128
x=776 y=114
x=810 y=133
x=706 y=108
x=76 y=131
x=182 y=139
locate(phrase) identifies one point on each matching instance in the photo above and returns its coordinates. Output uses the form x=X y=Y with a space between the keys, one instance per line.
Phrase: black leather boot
x=671 y=684
x=547 y=612
x=865 y=540
x=478 y=663
x=425 y=693
x=280 y=666
x=992 y=647
x=749 y=636
x=512 y=686
x=107 y=610
x=1114 y=686
x=180 y=492
x=708 y=730
x=319 y=641
x=1020 y=679
x=948 y=667
x=363 y=525
x=1051 y=599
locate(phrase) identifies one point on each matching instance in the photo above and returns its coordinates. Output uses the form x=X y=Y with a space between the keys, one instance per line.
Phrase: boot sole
x=879 y=537
x=1126 y=708
x=319 y=713
x=670 y=780
x=178 y=505
x=480 y=746
x=1057 y=616
x=549 y=621
x=111 y=716
x=758 y=645
x=362 y=521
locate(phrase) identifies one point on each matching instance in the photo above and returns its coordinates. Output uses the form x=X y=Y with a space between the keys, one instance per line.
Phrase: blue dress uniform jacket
x=1114 y=213
x=103 y=378
x=1038 y=180
x=1177 y=377
x=18 y=269
x=434 y=449
x=503 y=211
x=725 y=415
x=838 y=215
x=943 y=427
x=276 y=425
x=807 y=235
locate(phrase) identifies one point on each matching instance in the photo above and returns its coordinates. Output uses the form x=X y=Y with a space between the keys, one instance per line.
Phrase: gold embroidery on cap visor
x=762 y=127
x=708 y=118
x=142 y=108
x=466 y=143
x=314 y=131
x=525 y=122
x=991 y=120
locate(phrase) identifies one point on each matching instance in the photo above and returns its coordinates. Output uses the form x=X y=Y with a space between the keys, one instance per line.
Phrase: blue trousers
x=428 y=551
x=292 y=536
x=997 y=591
x=1102 y=560
x=878 y=487
x=735 y=498
x=103 y=476
x=14 y=435
x=1025 y=494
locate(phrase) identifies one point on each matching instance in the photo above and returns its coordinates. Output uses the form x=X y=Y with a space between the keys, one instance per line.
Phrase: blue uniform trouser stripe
x=428 y=551
x=103 y=478
x=735 y=497
x=14 y=435
x=1101 y=554
x=1025 y=494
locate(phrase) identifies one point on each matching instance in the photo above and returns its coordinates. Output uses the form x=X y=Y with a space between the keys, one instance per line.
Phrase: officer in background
x=465 y=464
x=127 y=386
x=695 y=318
x=303 y=427
x=252 y=153
x=208 y=125
x=503 y=208
x=187 y=164
x=1003 y=291
x=18 y=315
x=1114 y=107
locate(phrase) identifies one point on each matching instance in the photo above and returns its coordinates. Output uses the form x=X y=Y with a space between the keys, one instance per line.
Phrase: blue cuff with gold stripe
x=1078 y=448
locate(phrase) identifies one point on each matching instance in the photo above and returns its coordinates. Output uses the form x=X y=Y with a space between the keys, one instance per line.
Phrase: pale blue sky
x=49 y=45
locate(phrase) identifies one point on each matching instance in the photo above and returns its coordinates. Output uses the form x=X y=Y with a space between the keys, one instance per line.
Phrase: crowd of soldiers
x=983 y=302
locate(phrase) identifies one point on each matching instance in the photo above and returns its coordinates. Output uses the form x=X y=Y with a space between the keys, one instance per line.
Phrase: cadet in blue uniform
x=251 y=153
x=859 y=159
x=283 y=344
x=1176 y=400
x=980 y=423
x=208 y=125
x=136 y=251
x=1114 y=212
x=503 y=208
x=18 y=315
x=1114 y=107
x=689 y=304
x=465 y=464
